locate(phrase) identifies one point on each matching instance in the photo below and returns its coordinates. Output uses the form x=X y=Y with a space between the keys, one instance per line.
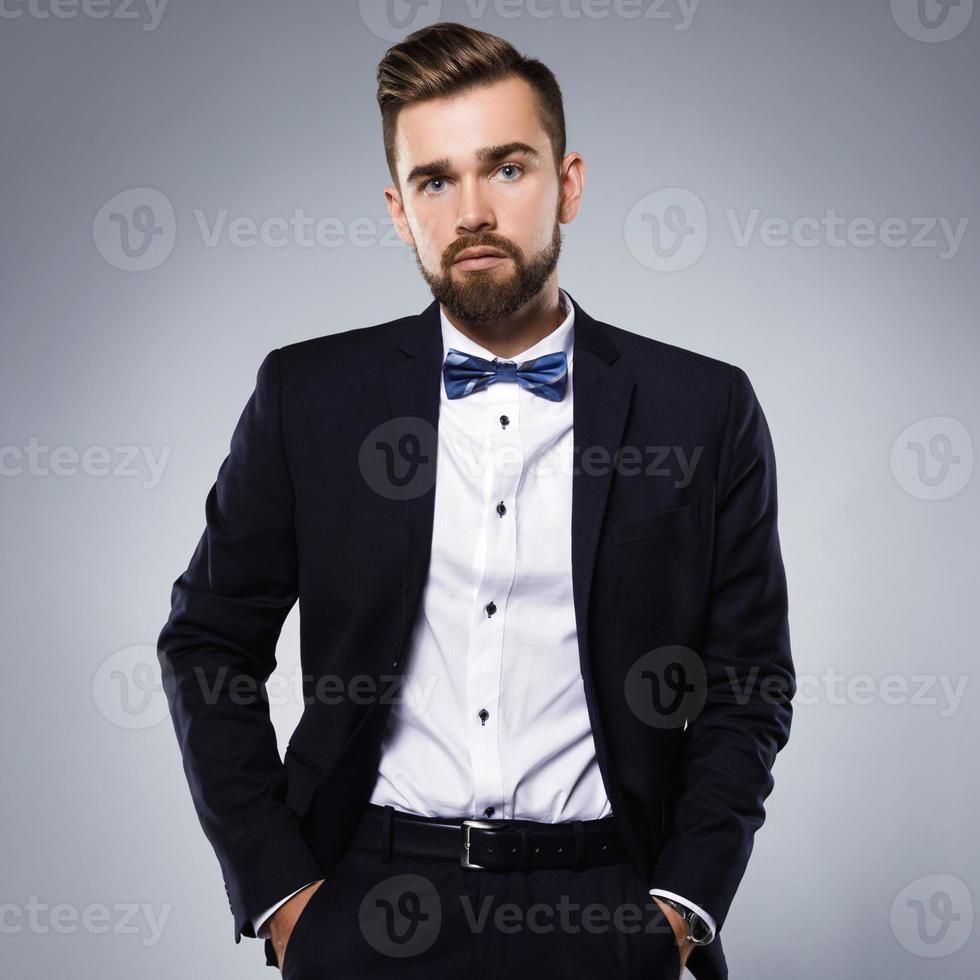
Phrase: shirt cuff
x=694 y=908
x=260 y=922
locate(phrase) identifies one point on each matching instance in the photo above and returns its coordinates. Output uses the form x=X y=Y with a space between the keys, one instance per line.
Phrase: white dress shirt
x=492 y=719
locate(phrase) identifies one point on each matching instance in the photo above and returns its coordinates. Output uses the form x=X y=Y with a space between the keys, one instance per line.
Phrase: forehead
x=455 y=126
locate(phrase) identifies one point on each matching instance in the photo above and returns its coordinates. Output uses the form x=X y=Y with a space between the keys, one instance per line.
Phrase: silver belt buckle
x=464 y=850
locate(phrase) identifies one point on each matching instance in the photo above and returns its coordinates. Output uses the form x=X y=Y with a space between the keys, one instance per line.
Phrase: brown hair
x=447 y=58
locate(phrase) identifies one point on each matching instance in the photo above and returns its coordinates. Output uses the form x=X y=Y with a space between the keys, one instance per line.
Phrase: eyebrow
x=485 y=154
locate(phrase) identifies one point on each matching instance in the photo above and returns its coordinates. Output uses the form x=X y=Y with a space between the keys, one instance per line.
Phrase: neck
x=511 y=335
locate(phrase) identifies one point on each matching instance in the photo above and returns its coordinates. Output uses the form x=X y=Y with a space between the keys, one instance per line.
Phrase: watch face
x=699 y=929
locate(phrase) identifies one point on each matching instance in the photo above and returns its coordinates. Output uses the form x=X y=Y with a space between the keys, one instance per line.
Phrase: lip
x=479 y=252
x=481 y=262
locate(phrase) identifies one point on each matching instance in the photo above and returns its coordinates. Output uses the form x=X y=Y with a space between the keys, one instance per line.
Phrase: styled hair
x=448 y=58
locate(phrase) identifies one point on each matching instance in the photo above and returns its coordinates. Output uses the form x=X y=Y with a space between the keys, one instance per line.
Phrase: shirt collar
x=560 y=339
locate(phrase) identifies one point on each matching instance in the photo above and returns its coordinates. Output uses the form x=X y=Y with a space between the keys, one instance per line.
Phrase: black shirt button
x=501 y=509
x=484 y=715
x=504 y=421
x=491 y=609
x=488 y=812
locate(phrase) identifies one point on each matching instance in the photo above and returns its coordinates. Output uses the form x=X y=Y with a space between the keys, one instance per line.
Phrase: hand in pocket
x=284 y=920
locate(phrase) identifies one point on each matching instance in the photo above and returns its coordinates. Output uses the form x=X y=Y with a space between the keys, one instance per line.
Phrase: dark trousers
x=430 y=919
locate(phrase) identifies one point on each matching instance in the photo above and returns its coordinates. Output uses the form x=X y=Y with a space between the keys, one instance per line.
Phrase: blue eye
x=430 y=188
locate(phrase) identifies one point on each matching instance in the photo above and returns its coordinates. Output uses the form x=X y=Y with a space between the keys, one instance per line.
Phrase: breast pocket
x=655 y=525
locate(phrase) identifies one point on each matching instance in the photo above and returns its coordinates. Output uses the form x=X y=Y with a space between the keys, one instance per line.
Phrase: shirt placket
x=498 y=551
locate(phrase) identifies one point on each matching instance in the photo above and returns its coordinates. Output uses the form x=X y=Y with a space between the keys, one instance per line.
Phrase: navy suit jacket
x=326 y=497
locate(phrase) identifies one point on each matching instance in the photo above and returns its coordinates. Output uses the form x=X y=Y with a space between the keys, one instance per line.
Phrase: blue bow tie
x=546 y=376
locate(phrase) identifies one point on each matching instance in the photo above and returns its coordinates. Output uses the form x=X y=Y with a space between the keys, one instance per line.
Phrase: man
x=554 y=540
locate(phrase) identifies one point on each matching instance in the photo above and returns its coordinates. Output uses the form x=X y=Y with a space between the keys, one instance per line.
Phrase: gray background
x=793 y=109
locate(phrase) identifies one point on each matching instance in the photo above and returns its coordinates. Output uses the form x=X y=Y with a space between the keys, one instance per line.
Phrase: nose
x=475 y=213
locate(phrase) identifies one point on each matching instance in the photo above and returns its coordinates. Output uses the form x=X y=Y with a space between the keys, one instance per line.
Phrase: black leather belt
x=490 y=845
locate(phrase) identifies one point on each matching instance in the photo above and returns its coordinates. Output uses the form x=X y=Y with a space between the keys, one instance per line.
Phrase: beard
x=483 y=295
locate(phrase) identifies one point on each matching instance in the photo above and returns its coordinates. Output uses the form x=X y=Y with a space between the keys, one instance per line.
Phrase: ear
x=572 y=185
x=393 y=201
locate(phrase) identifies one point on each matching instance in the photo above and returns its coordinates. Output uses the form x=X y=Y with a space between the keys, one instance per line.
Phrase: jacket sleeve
x=730 y=747
x=216 y=651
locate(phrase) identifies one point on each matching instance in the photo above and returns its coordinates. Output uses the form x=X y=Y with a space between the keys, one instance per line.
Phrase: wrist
x=691 y=928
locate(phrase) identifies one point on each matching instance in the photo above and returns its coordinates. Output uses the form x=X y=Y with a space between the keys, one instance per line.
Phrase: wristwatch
x=698 y=931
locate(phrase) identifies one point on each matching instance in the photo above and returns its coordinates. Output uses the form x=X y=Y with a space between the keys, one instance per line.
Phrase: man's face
x=478 y=169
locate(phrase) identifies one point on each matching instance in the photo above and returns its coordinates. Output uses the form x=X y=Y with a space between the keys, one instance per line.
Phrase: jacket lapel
x=413 y=389
x=602 y=396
